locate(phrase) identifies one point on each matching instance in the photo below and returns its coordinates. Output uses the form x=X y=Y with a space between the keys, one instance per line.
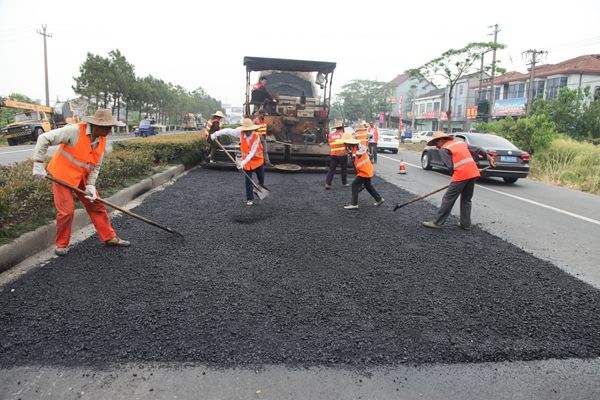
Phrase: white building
x=234 y=113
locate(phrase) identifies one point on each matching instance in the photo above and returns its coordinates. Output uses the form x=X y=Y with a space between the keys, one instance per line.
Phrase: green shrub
x=121 y=164
x=569 y=163
x=186 y=148
x=532 y=134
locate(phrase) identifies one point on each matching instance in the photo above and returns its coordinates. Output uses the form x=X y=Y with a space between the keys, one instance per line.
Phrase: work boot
x=327 y=186
x=345 y=184
x=351 y=207
x=463 y=227
x=432 y=224
x=378 y=203
x=61 y=251
x=117 y=242
x=249 y=203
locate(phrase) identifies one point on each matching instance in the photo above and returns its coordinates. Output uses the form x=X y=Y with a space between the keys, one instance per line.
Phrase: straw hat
x=102 y=117
x=248 y=125
x=437 y=136
x=361 y=125
x=347 y=138
x=338 y=124
x=218 y=114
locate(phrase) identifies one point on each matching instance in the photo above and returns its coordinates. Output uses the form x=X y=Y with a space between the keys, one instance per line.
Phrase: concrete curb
x=30 y=243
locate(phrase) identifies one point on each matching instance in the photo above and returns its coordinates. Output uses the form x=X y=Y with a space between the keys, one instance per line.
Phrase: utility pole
x=533 y=59
x=45 y=35
x=493 y=91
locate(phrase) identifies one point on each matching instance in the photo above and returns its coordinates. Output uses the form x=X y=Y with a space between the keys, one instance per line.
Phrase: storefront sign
x=509 y=107
x=400 y=109
x=382 y=118
x=472 y=112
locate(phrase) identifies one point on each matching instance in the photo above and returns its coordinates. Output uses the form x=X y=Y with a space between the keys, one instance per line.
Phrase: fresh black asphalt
x=294 y=280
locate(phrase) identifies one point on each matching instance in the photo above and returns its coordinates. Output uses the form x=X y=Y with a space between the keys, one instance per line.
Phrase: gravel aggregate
x=294 y=280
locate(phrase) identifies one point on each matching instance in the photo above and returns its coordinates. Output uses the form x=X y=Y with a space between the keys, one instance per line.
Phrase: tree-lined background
x=111 y=82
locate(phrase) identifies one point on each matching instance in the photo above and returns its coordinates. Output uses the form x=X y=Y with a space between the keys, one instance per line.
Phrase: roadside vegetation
x=26 y=203
x=562 y=136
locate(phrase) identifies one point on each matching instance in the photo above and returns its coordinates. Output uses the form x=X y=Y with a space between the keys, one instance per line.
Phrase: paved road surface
x=557 y=224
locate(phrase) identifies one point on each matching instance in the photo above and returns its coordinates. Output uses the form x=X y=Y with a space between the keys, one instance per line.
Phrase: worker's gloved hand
x=39 y=170
x=92 y=192
x=239 y=164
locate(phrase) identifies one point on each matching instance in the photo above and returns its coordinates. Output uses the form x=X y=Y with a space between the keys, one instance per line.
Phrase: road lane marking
x=558 y=210
x=536 y=203
x=15 y=151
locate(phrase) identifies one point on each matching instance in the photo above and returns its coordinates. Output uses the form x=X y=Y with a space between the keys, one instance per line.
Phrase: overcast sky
x=202 y=43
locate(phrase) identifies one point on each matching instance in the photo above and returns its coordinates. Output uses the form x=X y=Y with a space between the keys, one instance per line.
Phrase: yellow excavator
x=35 y=119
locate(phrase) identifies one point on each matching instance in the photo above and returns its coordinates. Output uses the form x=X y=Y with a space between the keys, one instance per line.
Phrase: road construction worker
x=337 y=155
x=362 y=134
x=252 y=160
x=261 y=97
x=373 y=132
x=364 y=172
x=77 y=162
x=259 y=119
x=456 y=156
x=213 y=125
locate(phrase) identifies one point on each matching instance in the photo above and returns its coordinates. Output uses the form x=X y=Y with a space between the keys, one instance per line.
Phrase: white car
x=388 y=140
x=421 y=137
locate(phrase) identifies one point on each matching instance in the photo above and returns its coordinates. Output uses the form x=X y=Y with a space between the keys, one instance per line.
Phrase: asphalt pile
x=294 y=280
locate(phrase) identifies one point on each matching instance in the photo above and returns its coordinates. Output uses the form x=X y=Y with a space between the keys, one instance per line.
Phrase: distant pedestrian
x=337 y=155
x=364 y=172
x=77 y=162
x=456 y=156
x=252 y=160
x=373 y=132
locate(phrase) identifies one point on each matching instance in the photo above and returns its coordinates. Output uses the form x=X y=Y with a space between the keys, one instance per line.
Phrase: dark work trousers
x=260 y=174
x=357 y=186
x=333 y=163
x=373 y=152
x=464 y=189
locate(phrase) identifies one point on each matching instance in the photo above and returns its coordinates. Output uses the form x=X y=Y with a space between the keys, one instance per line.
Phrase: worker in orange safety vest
x=362 y=134
x=259 y=119
x=456 y=155
x=77 y=162
x=337 y=155
x=251 y=149
x=364 y=172
x=213 y=125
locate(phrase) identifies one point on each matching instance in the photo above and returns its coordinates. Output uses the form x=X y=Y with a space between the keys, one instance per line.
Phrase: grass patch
x=3 y=141
x=26 y=203
x=569 y=163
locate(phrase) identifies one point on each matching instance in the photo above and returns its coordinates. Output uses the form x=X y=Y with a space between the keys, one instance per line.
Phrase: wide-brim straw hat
x=347 y=138
x=338 y=124
x=437 y=136
x=248 y=125
x=361 y=125
x=218 y=114
x=102 y=117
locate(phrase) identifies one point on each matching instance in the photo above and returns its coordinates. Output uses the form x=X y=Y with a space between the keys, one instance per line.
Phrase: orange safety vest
x=245 y=147
x=263 y=126
x=73 y=164
x=464 y=165
x=364 y=167
x=363 y=136
x=336 y=149
x=374 y=134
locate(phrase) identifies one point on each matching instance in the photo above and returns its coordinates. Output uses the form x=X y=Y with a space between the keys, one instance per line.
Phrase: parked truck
x=35 y=119
x=298 y=117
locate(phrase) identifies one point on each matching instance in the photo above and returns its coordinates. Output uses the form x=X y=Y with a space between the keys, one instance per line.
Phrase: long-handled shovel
x=124 y=211
x=260 y=191
x=427 y=195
